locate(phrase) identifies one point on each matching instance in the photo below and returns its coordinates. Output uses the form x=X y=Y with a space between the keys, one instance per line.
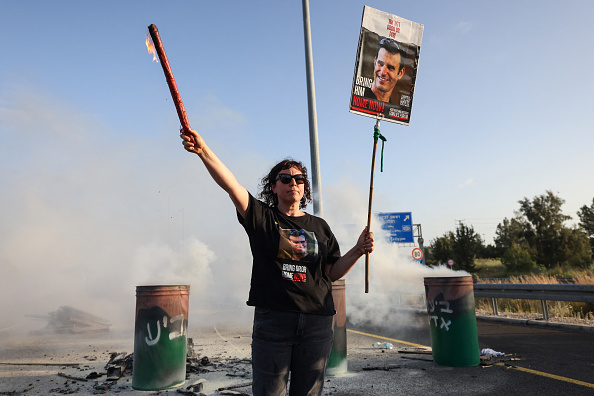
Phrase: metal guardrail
x=544 y=293
x=560 y=279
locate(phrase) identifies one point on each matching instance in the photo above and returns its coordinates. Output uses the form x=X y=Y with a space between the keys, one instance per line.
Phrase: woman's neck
x=290 y=210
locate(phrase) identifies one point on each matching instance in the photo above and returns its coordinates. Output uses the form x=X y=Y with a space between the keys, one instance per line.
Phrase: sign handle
x=375 y=137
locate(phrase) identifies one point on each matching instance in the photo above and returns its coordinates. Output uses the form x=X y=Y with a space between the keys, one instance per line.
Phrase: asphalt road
x=560 y=353
x=547 y=361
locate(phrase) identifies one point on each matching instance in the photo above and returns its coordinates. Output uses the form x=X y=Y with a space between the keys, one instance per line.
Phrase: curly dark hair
x=266 y=193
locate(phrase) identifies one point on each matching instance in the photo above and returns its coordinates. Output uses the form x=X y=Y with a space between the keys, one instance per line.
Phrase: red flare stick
x=179 y=105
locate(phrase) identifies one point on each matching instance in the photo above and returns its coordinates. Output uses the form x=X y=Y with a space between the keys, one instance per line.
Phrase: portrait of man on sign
x=386 y=66
x=388 y=70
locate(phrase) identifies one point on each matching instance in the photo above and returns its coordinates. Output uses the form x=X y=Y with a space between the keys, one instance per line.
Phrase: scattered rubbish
x=238 y=374
x=382 y=345
x=196 y=386
x=499 y=359
x=94 y=375
x=383 y=368
x=39 y=364
x=116 y=357
x=419 y=350
x=491 y=353
x=190 y=353
x=188 y=392
x=72 y=378
x=71 y=320
x=114 y=373
x=430 y=359
x=236 y=361
x=228 y=388
x=67 y=391
x=99 y=378
x=102 y=387
x=119 y=363
x=199 y=365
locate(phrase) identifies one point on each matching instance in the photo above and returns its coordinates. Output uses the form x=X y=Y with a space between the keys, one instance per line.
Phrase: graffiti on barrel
x=444 y=308
x=452 y=320
x=160 y=342
x=176 y=322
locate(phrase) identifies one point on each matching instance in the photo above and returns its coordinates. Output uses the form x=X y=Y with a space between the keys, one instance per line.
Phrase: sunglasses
x=285 y=178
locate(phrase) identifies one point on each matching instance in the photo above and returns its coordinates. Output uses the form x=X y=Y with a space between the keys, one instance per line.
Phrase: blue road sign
x=400 y=226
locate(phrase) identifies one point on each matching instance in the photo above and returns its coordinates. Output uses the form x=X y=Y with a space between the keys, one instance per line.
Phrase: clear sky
x=93 y=177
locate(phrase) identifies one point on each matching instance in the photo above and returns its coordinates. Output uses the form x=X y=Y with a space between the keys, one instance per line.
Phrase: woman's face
x=291 y=192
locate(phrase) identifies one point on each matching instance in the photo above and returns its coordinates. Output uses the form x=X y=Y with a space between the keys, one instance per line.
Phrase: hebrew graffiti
x=438 y=313
x=158 y=325
x=445 y=324
x=447 y=304
x=159 y=348
x=177 y=323
x=150 y=340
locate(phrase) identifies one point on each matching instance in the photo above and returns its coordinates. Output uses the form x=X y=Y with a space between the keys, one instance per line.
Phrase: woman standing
x=292 y=297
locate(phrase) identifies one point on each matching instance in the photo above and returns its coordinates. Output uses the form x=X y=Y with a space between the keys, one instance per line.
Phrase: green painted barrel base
x=160 y=344
x=160 y=368
x=337 y=361
x=452 y=321
x=459 y=346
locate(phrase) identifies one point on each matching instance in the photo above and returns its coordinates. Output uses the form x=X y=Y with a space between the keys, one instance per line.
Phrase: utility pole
x=313 y=116
x=419 y=235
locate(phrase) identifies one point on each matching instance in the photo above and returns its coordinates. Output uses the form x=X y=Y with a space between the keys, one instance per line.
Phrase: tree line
x=536 y=237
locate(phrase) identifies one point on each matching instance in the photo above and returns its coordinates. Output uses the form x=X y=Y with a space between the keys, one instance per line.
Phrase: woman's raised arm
x=194 y=143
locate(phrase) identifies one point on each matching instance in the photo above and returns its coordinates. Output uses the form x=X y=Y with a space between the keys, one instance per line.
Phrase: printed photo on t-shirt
x=297 y=245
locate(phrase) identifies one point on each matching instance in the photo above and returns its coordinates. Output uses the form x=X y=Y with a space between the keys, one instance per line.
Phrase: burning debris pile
x=71 y=320
x=203 y=365
x=119 y=363
x=117 y=373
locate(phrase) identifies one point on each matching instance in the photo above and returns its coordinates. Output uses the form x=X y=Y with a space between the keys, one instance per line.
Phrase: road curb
x=539 y=323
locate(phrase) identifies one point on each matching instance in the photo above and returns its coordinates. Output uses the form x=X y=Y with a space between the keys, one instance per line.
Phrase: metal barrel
x=452 y=321
x=337 y=362
x=160 y=337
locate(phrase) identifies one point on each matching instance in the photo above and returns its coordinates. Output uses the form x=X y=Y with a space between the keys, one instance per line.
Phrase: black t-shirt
x=368 y=93
x=278 y=281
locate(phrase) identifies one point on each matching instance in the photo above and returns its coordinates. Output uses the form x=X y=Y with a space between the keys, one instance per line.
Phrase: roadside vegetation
x=534 y=247
x=557 y=309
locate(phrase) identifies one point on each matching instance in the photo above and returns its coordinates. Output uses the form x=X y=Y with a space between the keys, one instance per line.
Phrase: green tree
x=467 y=244
x=442 y=249
x=510 y=232
x=577 y=248
x=488 y=252
x=514 y=250
x=586 y=215
x=517 y=259
x=544 y=228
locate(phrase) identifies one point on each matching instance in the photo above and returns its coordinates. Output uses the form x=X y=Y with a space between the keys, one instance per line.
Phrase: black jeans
x=284 y=342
